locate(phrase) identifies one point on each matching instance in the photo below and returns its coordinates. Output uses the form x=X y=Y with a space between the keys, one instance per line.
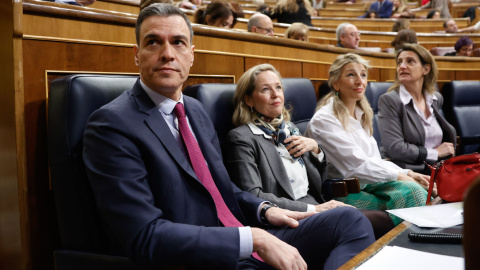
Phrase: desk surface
x=399 y=237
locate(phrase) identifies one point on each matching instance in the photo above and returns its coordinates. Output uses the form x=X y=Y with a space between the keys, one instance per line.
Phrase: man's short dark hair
x=162 y=10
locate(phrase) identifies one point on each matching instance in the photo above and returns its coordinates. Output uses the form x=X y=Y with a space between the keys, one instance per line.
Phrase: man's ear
x=135 y=52
x=193 y=55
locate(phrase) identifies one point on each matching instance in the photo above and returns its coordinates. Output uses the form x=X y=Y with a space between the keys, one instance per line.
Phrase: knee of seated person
x=347 y=214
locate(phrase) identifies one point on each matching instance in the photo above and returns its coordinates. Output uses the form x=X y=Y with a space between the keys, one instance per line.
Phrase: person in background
x=291 y=11
x=450 y=26
x=402 y=37
x=298 y=31
x=472 y=28
x=412 y=129
x=217 y=13
x=463 y=47
x=268 y=157
x=146 y=3
x=156 y=170
x=371 y=14
x=383 y=8
x=74 y=2
x=401 y=10
x=192 y=4
x=263 y=8
x=348 y=36
x=343 y=126
x=440 y=5
x=261 y=24
x=433 y=14
x=400 y=25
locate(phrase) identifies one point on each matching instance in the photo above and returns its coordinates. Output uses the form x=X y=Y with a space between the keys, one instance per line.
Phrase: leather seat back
x=71 y=100
x=462 y=109
x=301 y=99
x=373 y=92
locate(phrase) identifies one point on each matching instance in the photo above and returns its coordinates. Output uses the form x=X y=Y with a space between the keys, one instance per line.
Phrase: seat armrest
x=340 y=187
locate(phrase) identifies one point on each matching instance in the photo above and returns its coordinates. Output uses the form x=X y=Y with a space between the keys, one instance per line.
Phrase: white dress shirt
x=352 y=153
x=166 y=106
x=433 y=131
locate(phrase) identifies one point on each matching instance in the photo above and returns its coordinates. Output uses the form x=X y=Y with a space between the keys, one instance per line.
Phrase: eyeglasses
x=268 y=30
x=355 y=34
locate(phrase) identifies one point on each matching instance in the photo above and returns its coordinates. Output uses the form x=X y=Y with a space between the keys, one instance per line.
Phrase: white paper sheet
x=432 y=216
x=398 y=258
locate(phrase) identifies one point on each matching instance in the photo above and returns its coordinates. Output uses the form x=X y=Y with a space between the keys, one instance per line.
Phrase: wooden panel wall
x=12 y=193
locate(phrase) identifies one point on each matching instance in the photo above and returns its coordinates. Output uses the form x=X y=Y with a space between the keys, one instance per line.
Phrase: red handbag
x=453 y=176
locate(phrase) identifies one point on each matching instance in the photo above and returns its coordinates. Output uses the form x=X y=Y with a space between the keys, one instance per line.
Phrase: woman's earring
x=251 y=109
x=336 y=93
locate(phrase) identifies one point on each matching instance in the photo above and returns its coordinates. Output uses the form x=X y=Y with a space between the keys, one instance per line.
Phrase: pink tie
x=201 y=170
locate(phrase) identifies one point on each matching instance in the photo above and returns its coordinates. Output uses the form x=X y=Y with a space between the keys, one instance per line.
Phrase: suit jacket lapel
x=415 y=119
x=154 y=120
x=276 y=164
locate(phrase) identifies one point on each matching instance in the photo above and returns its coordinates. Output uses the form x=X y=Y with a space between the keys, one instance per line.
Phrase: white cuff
x=432 y=155
x=246 y=242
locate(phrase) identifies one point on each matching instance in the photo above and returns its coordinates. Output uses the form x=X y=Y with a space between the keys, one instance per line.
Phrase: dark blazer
x=255 y=166
x=147 y=193
x=402 y=132
x=385 y=11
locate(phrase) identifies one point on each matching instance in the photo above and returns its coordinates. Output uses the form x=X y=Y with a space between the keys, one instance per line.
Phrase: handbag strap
x=434 y=169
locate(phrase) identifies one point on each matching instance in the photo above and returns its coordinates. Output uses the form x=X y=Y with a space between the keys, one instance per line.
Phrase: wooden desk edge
x=375 y=247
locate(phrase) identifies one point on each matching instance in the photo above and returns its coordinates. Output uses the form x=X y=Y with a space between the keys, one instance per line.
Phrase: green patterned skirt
x=386 y=196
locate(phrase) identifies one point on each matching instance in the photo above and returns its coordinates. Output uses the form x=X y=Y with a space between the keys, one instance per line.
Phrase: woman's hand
x=422 y=179
x=299 y=145
x=445 y=149
x=330 y=205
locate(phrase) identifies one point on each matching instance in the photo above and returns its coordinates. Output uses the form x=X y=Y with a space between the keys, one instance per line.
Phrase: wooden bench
x=280 y=28
x=458 y=9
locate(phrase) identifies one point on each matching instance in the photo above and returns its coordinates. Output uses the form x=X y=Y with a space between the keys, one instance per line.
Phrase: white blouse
x=352 y=153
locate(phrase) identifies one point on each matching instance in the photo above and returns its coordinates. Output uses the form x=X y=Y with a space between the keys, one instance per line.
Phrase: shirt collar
x=358 y=113
x=406 y=97
x=164 y=104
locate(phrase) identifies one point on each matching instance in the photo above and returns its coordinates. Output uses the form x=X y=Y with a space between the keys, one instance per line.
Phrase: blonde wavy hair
x=291 y=6
x=245 y=87
x=426 y=58
x=339 y=109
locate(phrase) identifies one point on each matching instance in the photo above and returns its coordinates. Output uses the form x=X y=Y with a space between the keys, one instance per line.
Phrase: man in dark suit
x=383 y=8
x=159 y=208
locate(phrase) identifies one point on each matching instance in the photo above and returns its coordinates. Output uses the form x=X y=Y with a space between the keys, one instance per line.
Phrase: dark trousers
x=326 y=240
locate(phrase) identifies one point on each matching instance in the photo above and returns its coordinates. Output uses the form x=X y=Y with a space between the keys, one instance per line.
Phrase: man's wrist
x=263 y=211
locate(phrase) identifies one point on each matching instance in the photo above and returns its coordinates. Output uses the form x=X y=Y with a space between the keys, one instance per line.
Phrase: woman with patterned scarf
x=267 y=156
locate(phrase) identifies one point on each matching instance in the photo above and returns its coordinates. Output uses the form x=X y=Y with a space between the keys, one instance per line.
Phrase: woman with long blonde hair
x=291 y=11
x=343 y=126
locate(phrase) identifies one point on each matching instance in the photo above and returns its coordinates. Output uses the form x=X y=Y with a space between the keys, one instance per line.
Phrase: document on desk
x=432 y=216
x=398 y=258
